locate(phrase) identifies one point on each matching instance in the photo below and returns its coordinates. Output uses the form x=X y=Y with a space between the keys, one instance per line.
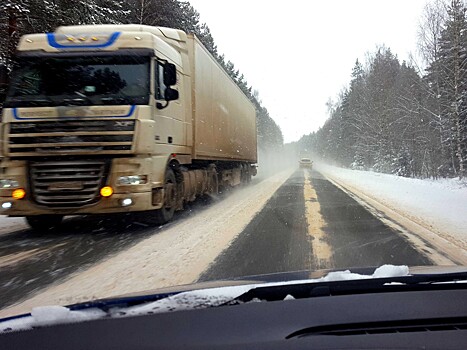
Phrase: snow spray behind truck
x=120 y=118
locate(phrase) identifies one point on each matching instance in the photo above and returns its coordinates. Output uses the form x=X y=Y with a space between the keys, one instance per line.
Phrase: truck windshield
x=93 y=80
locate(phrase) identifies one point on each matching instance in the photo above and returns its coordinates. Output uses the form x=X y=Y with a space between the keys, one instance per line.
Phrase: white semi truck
x=107 y=119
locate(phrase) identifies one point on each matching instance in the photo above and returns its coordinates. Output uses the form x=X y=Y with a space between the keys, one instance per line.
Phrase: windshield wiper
x=84 y=97
x=115 y=99
x=278 y=291
x=359 y=286
x=79 y=101
x=17 y=101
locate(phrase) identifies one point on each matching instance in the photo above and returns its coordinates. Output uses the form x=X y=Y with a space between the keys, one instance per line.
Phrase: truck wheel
x=165 y=214
x=44 y=222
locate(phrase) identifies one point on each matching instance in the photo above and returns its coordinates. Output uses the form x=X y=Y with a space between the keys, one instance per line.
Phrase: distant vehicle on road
x=306 y=163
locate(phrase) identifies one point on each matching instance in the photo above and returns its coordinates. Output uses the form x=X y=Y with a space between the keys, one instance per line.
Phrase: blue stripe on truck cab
x=54 y=43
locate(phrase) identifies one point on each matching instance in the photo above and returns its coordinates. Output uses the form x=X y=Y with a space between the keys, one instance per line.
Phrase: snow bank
x=8 y=225
x=202 y=298
x=439 y=205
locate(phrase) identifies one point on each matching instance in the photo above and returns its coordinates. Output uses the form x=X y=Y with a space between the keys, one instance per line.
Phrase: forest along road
x=294 y=220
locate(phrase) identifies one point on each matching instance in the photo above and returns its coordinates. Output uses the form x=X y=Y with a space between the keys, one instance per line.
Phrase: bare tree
x=430 y=29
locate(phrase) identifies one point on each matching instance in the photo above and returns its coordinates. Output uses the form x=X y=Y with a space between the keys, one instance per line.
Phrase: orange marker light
x=106 y=191
x=19 y=193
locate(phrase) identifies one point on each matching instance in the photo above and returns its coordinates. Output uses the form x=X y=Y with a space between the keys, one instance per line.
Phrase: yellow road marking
x=322 y=251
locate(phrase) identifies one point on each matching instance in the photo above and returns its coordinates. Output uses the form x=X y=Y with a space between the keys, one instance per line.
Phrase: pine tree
x=453 y=82
x=19 y=17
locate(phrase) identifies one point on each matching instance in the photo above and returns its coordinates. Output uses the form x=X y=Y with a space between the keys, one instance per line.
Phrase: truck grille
x=67 y=184
x=52 y=138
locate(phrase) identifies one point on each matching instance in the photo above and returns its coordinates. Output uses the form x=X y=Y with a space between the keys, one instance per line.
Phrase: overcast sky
x=300 y=53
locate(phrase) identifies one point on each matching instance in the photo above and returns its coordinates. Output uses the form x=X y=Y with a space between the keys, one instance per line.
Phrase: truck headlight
x=7 y=183
x=133 y=180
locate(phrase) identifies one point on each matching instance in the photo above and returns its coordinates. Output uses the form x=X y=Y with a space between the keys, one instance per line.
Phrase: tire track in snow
x=175 y=256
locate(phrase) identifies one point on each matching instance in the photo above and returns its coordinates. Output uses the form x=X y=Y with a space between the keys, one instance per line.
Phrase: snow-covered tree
x=452 y=65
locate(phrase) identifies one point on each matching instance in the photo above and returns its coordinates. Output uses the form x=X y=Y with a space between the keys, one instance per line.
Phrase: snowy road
x=294 y=220
x=311 y=224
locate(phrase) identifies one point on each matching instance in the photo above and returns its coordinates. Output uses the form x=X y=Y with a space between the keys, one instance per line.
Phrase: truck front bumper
x=116 y=203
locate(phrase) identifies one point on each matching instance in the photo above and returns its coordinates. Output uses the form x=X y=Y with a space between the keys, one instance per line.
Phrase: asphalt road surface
x=307 y=224
x=334 y=231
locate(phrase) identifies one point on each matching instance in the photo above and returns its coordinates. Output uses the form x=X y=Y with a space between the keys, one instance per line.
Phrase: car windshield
x=44 y=81
x=153 y=145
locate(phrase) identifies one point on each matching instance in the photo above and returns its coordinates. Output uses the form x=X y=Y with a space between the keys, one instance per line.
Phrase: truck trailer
x=103 y=119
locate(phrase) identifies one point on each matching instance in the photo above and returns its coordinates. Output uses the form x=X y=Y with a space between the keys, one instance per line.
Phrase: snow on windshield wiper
x=49 y=316
x=53 y=315
x=201 y=298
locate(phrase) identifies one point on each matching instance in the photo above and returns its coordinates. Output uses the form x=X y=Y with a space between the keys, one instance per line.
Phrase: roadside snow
x=8 y=225
x=438 y=205
x=202 y=298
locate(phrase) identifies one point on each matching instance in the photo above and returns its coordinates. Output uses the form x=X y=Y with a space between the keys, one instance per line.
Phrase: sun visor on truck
x=169 y=33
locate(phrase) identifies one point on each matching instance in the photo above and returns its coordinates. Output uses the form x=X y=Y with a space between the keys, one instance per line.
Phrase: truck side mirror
x=170 y=78
x=170 y=94
x=170 y=74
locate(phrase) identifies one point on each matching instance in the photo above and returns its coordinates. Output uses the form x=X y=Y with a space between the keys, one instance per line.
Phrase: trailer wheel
x=246 y=175
x=247 y=178
x=166 y=213
x=213 y=184
x=44 y=222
